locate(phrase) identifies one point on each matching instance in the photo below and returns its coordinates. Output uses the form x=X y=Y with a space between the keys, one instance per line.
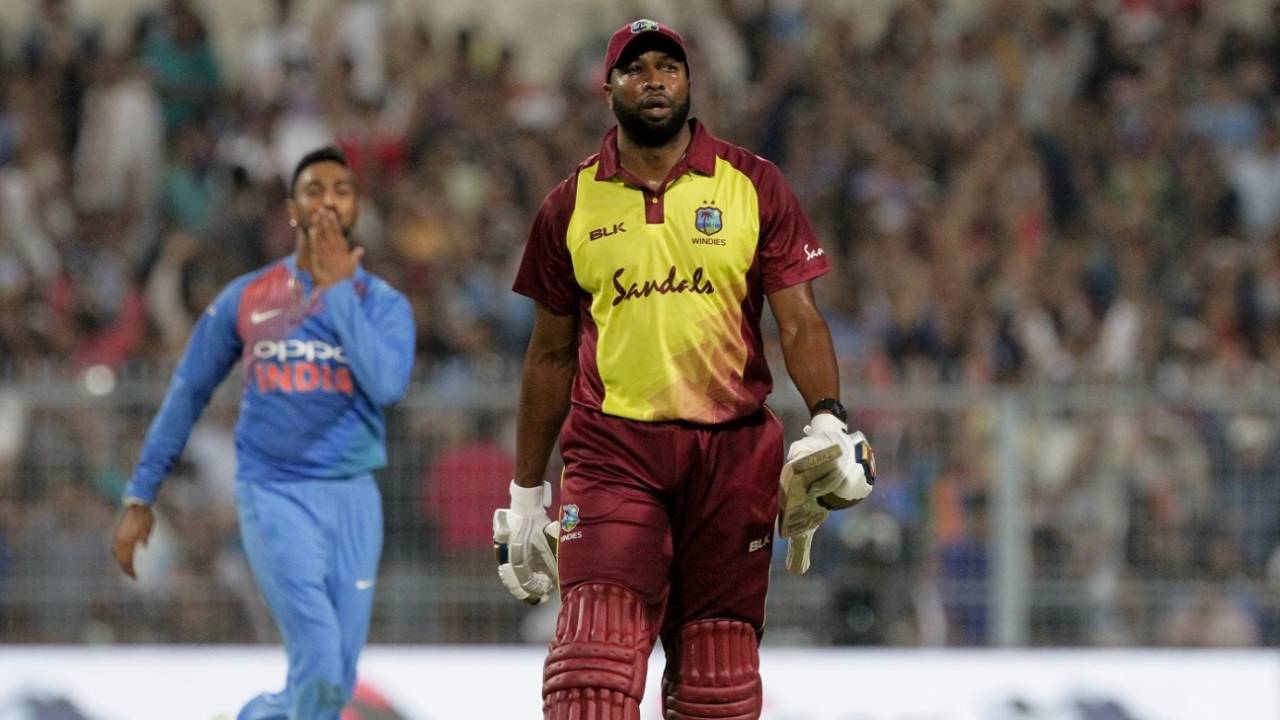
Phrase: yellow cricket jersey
x=669 y=285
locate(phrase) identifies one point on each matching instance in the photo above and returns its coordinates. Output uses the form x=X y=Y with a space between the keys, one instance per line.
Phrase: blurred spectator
x=1250 y=485
x=57 y=54
x=1224 y=116
x=189 y=192
x=99 y=310
x=361 y=31
x=120 y=155
x=182 y=64
x=1255 y=174
x=459 y=487
x=61 y=544
x=275 y=53
x=963 y=567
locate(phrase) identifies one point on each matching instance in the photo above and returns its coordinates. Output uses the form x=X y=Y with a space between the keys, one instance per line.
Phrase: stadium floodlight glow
x=99 y=380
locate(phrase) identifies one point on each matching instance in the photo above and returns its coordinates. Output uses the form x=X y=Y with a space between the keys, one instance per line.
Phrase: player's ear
x=295 y=219
x=608 y=94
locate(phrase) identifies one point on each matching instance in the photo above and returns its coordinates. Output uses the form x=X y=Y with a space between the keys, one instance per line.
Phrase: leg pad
x=596 y=667
x=713 y=672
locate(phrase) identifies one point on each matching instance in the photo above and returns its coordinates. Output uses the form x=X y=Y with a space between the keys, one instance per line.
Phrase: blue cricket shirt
x=318 y=369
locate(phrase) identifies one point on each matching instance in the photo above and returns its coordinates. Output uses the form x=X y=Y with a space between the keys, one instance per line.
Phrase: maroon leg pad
x=596 y=667
x=714 y=672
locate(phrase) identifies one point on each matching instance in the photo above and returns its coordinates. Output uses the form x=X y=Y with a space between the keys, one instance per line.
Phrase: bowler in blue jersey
x=325 y=346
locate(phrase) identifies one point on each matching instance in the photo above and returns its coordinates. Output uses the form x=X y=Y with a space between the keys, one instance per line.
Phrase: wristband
x=530 y=501
x=830 y=405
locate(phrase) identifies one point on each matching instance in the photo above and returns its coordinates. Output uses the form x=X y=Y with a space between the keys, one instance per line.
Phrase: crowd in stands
x=1038 y=197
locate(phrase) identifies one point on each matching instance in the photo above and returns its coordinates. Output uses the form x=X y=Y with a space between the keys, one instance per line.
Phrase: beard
x=650 y=133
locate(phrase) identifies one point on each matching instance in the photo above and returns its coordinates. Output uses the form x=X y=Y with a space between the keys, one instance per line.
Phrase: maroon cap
x=637 y=30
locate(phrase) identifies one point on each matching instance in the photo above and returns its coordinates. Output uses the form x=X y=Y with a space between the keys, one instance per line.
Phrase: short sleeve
x=546 y=270
x=789 y=250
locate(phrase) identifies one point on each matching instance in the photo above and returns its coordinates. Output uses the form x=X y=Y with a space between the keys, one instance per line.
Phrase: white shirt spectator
x=1116 y=353
x=120 y=155
x=361 y=27
x=23 y=226
x=1255 y=174
x=271 y=53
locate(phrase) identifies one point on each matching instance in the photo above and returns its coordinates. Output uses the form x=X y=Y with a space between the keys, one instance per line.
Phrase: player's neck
x=652 y=164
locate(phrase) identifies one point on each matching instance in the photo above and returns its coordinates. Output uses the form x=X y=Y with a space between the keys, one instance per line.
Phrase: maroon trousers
x=681 y=514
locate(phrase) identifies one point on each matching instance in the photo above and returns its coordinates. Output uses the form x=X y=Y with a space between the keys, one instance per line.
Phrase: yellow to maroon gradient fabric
x=669 y=284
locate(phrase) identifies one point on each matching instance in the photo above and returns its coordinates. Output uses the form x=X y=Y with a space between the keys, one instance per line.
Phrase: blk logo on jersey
x=301 y=366
x=606 y=232
x=708 y=220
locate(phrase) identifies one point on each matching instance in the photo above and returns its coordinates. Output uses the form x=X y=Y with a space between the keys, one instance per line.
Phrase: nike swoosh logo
x=256 y=317
x=364 y=584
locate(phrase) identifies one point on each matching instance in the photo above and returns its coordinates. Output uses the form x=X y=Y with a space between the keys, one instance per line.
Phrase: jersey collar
x=699 y=157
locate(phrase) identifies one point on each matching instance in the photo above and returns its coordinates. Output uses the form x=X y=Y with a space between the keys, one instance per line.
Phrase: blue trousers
x=313 y=546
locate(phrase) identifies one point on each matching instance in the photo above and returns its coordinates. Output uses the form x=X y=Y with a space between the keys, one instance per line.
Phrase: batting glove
x=524 y=541
x=827 y=469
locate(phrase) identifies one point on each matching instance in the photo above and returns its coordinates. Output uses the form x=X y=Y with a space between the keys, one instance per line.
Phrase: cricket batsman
x=650 y=266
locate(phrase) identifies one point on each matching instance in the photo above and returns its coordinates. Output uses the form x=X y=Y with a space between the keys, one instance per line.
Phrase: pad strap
x=596 y=667
x=715 y=674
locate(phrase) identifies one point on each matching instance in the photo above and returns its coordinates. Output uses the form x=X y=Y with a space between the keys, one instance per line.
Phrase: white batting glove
x=524 y=541
x=827 y=469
